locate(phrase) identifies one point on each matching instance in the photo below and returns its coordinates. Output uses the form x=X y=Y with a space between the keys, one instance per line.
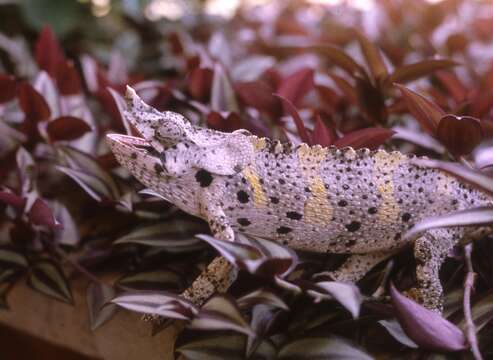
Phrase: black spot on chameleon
x=242 y=196
x=158 y=168
x=274 y=200
x=203 y=177
x=294 y=215
x=283 y=230
x=353 y=226
x=244 y=221
x=406 y=217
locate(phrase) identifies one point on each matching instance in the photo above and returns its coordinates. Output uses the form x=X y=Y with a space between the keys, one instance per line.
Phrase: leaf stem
x=468 y=286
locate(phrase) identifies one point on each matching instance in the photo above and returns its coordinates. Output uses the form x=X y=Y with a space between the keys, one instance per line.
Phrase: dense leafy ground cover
x=408 y=76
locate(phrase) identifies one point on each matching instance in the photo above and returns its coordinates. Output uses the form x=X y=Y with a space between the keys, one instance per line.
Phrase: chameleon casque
x=313 y=198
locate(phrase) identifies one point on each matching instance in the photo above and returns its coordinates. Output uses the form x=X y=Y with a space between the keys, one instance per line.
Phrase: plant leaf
x=231 y=347
x=459 y=134
x=425 y=327
x=468 y=217
x=11 y=258
x=32 y=103
x=296 y=86
x=97 y=296
x=473 y=177
x=373 y=57
x=395 y=329
x=326 y=348
x=258 y=94
x=147 y=280
x=370 y=138
x=348 y=295
x=426 y=112
x=322 y=135
x=410 y=72
x=48 y=52
x=7 y=88
x=291 y=110
x=47 y=277
x=176 y=235
x=341 y=59
x=221 y=313
x=41 y=214
x=160 y=303
x=67 y=128
x=222 y=93
x=263 y=297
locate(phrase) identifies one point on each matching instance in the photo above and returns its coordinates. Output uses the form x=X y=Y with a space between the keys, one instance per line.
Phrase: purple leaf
x=459 y=134
x=221 y=313
x=41 y=214
x=321 y=134
x=425 y=327
x=410 y=72
x=348 y=295
x=470 y=217
x=327 y=348
x=160 y=303
x=67 y=128
x=296 y=86
x=263 y=297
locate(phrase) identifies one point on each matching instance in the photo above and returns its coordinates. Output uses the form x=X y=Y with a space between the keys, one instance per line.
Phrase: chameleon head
x=171 y=146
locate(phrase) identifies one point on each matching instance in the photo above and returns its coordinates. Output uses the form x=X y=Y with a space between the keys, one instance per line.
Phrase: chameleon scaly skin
x=313 y=198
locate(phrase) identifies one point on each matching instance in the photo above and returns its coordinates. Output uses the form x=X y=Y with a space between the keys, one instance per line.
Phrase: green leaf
x=158 y=279
x=48 y=278
x=97 y=296
x=174 y=236
x=11 y=258
x=326 y=348
x=231 y=347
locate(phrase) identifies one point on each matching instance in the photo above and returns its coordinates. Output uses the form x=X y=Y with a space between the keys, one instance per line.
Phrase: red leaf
x=365 y=138
x=426 y=112
x=32 y=103
x=7 y=88
x=68 y=79
x=459 y=134
x=12 y=199
x=296 y=86
x=322 y=135
x=291 y=109
x=41 y=214
x=67 y=128
x=372 y=56
x=410 y=72
x=200 y=83
x=48 y=52
x=229 y=123
x=425 y=327
x=258 y=95
x=453 y=84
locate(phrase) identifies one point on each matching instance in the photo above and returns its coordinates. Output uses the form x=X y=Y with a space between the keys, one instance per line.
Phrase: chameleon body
x=314 y=198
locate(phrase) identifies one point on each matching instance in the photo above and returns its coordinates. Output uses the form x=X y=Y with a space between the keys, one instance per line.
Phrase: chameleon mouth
x=131 y=143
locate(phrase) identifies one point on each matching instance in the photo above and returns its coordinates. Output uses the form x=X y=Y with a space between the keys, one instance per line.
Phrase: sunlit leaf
x=261 y=296
x=48 y=278
x=97 y=296
x=250 y=68
x=326 y=348
x=339 y=58
x=222 y=93
x=425 y=327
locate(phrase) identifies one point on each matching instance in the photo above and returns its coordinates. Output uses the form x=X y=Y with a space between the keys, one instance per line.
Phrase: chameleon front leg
x=357 y=265
x=219 y=274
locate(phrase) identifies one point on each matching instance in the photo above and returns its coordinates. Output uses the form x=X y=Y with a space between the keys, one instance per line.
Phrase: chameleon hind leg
x=219 y=274
x=357 y=265
x=430 y=251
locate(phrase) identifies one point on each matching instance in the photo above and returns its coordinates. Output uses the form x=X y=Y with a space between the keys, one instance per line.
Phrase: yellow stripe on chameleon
x=259 y=143
x=389 y=210
x=317 y=208
x=259 y=197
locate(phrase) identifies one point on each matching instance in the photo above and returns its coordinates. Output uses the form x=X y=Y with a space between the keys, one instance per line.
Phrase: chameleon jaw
x=132 y=149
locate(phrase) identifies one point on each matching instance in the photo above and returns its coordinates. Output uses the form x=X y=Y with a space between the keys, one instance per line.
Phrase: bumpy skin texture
x=311 y=198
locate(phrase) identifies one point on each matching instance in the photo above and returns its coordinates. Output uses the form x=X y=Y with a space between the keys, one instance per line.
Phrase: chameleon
x=313 y=198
